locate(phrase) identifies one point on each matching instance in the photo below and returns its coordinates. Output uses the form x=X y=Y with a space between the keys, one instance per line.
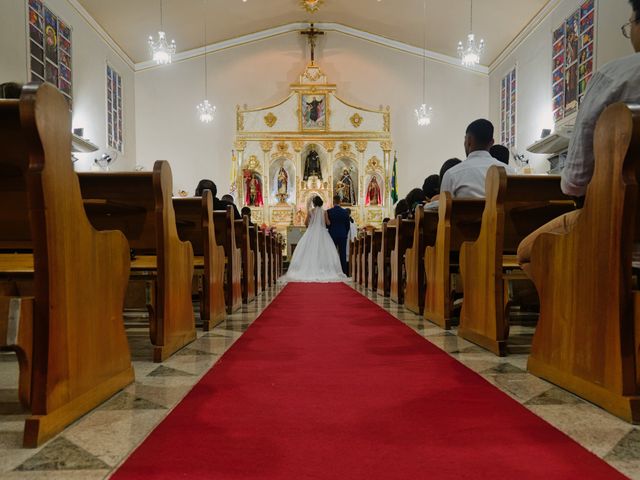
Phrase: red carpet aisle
x=327 y=385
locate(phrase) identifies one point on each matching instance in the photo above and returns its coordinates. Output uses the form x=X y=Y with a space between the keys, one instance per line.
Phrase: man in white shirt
x=617 y=81
x=467 y=179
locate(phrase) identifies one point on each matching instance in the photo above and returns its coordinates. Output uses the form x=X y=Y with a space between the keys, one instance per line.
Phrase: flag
x=394 y=179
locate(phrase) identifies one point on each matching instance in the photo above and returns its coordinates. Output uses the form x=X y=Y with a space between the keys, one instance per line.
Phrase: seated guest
x=501 y=153
x=246 y=212
x=402 y=209
x=414 y=198
x=467 y=179
x=431 y=186
x=217 y=203
x=448 y=165
x=617 y=81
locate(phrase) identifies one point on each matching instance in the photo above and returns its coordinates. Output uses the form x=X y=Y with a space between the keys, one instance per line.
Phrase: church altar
x=312 y=143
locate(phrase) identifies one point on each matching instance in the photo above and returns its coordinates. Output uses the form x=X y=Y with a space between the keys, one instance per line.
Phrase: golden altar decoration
x=313 y=143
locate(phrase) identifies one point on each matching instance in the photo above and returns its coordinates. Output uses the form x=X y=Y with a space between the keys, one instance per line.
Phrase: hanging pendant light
x=161 y=50
x=205 y=109
x=423 y=113
x=471 y=52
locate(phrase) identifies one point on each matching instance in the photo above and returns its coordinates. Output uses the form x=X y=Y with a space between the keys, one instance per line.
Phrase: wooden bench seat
x=424 y=234
x=65 y=323
x=194 y=219
x=225 y=234
x=384 y=258
x=515 y=206
x=588 y=335
x=243 y=242
x=371 y=259
x=254 y=242
x=403 y=240
x=458 y=221
x=140 y=205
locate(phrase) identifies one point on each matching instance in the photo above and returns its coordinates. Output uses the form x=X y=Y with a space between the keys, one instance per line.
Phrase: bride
x=315 y=258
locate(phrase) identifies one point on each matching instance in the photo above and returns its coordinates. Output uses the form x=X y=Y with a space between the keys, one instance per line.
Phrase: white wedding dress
x=315 y=258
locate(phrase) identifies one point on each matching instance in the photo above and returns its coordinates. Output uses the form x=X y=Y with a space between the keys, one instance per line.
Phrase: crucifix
x=312 y=33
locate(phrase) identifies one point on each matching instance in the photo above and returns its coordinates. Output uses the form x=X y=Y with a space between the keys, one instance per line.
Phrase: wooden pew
x=384 y=258
x=458 y=221
x=243 y=242
x=424 y=234
x=515 y=206
x=66 y=324
x=357 y=258
x=279 y=249
x=364 y=254
x=403 y=240
x=587 y=339
x=226 y=236
x=140 y=205
x=194 y=219
x=254 y=239
x=264 y=255
x=372 y=258
x=351 y=258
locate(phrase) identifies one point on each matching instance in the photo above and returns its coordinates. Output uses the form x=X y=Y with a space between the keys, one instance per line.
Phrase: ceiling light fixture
x=423 y=113
x=470 y=54
x=205 y=109
x=161 y=50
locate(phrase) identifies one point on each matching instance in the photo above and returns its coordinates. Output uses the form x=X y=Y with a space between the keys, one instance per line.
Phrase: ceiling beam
x=331 y=27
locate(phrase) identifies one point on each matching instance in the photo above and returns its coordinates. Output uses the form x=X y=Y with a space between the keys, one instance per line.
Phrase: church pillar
x=388 y=169
x=266 y=147
x=240 y=145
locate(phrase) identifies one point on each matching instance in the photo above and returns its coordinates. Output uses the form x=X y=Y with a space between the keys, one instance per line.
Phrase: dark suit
x=339 y=231
x=222 y=205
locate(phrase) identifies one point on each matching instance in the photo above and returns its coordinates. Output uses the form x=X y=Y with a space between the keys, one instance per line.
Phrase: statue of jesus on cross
x=312 y=33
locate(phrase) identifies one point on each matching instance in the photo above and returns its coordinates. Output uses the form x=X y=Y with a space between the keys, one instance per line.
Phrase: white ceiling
x=130 y=22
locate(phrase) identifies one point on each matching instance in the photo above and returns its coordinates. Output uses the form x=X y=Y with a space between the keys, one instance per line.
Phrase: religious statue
x=312 y=166
x=253 y=190
x=348 y=194
x=300 y=218
x=282 y=191
x=374 y=196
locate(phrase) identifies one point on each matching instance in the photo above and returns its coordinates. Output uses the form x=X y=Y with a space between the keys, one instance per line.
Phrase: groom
x=339 y=230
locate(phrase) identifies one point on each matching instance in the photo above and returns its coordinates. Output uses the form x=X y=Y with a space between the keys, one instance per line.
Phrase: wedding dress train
x=315 y=258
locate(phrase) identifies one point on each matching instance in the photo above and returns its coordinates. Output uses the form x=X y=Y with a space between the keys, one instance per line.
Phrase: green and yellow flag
x=394 y=179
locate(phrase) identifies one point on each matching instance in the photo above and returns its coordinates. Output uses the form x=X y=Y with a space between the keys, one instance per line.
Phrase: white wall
x=259 y=74
x=89 y=56
x=533 y=58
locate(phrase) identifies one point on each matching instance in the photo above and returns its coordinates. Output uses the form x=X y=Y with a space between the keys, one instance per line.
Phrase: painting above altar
x=313 y=143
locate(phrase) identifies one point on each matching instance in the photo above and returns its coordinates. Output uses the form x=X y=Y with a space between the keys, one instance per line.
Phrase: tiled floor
x=98 y=442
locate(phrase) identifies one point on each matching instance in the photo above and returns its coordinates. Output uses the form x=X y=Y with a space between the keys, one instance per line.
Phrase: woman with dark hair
x=315 y=258
x=431 y=186
x=218 y=204
x=414 y=198
x=402 y=209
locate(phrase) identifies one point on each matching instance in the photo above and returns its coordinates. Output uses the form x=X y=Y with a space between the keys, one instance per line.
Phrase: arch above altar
x=313 y=143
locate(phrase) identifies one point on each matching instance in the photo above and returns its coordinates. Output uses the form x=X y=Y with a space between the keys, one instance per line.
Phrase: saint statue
x=312 y=166
x=253 y=190
x=348 y=191
x=283 y=182
x=374 y=196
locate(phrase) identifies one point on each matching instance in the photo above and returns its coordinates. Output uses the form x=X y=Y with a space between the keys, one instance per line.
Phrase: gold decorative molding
x=330 y=145
x=266 y=145
x=356 y=120
x=253 y=164
x=386 y=145
x=239 y=119
x=240 y=145
x=361 y=145
x=386 y=117
x=281 y=217
x=311 y=6
x=345 y=151
x=374 y=166
x=298 y=145
x=282 y=150
x=270 y=119
x=374 y=216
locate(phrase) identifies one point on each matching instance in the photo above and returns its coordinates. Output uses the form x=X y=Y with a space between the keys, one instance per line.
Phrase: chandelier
x=470 y=53
x=311 y=6
x=161 y=50
x=423 y=113
x=205 y=109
